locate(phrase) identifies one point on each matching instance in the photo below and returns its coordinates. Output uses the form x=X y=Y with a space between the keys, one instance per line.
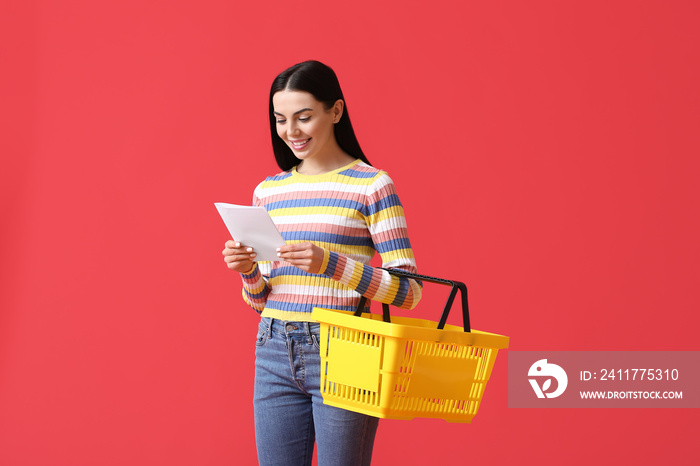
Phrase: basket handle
x=448 y=306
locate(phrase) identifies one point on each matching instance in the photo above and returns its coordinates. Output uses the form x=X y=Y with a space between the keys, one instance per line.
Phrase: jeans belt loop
x=307 y=327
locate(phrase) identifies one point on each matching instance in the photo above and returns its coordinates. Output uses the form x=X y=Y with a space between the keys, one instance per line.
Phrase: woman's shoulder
x=279 y=176
x=273 y=179
x=362 y=170
x=374 y=182
x=268 y=185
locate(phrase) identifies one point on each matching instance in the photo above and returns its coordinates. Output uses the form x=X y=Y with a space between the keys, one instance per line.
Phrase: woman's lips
x=299 y=144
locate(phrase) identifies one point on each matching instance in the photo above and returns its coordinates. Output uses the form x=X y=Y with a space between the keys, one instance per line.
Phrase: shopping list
x=252 y=226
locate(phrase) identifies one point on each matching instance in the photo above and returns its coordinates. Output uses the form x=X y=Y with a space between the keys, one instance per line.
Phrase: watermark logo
x=544 y=370
x=603 y=379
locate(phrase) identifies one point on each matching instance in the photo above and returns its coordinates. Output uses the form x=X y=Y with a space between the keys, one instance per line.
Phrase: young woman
x=334 y=211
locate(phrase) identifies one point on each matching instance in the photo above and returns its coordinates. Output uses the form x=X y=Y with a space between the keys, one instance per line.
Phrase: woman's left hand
x=306 y=256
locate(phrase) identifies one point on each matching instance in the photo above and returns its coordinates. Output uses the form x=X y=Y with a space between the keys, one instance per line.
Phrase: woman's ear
x=337 y=110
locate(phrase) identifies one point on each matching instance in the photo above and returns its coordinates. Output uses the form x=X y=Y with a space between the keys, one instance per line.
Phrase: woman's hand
x=306 y=256
x=238 y=257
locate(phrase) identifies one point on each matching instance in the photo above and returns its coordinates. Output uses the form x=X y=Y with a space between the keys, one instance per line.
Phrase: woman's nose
x=292 y=129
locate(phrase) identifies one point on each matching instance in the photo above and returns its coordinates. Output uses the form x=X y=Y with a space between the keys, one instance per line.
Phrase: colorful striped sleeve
x=387 y=226
x=255 y=288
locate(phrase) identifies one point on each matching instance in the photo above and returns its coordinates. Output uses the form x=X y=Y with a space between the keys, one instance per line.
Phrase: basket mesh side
x=349 y=393
x=467 y=405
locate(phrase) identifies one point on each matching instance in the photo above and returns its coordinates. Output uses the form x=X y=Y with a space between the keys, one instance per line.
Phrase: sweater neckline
x=332 y=172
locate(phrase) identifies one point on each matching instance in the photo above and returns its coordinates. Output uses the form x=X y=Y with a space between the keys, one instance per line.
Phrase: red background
x=546 y=153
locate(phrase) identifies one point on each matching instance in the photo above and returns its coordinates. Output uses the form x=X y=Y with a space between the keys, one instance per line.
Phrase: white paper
x=252 y=226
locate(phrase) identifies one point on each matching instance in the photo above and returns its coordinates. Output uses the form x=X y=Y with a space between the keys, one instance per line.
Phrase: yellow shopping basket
x=402 y=368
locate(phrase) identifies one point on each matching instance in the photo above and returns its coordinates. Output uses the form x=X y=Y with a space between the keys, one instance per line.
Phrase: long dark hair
x=320 y=81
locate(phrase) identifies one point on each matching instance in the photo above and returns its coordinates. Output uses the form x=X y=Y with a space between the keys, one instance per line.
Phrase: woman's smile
x=299 y=144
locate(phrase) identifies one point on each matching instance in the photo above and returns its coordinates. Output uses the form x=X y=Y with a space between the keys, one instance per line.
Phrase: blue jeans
x=289 y=409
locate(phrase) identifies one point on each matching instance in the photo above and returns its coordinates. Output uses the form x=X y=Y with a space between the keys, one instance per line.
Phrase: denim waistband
x=284 y=327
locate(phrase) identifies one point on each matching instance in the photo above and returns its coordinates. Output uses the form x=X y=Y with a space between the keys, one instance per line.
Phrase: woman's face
x=305 y=125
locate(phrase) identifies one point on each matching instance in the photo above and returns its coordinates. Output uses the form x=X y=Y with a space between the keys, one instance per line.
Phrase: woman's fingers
x=294 y=251
x=287 y=255
x=234 y=248
x=305 y=256
x=238 y=257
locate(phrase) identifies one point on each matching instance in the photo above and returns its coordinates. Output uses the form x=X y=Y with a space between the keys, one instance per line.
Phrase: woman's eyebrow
x=298 y=111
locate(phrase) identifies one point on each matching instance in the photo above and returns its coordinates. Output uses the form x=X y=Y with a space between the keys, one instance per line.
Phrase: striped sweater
x=350 y=212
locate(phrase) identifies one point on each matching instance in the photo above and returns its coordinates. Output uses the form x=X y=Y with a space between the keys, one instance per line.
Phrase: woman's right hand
x=238 y=257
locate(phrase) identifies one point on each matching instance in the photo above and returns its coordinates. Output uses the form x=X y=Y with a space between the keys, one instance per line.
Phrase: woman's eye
x=305 y=119
x=281 y=122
